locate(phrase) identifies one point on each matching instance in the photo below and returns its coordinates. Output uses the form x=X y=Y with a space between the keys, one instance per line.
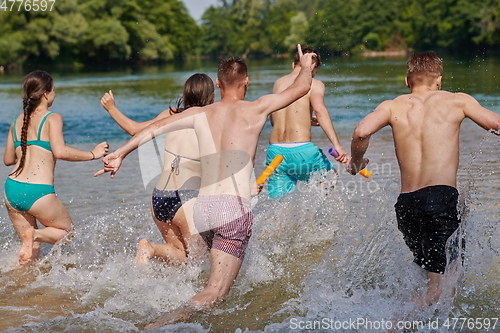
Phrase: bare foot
x=26 y=252
x=144 y=252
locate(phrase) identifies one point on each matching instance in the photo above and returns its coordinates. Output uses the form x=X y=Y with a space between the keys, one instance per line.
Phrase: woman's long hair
x=35 y=84
x=198 y=91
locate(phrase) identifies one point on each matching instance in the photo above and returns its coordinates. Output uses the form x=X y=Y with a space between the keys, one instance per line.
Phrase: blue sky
x=196 y=8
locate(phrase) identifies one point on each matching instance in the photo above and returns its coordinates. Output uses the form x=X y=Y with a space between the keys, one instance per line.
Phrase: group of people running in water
x=201 y=201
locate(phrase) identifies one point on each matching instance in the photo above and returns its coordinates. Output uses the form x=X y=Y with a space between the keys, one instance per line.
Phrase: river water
x=318 y=261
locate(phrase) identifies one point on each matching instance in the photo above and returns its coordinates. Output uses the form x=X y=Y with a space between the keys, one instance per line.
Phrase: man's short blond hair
x=424 y=68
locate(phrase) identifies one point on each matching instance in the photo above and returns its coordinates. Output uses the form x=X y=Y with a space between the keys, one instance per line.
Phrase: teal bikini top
x=38 y=142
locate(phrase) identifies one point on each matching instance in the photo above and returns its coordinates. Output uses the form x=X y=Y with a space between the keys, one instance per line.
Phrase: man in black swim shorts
x=427 y=218
x=426 y=126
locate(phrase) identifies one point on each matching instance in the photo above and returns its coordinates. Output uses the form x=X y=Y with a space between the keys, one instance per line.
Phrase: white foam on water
x=367 y=276
x=366 y=273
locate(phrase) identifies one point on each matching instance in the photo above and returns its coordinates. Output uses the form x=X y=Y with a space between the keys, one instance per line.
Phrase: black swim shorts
x=427 y=218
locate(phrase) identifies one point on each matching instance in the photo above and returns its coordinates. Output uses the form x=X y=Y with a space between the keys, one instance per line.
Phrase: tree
x=106 y=39
x=278 y=24
x=298 y=30
x=171 y=20
x=333 y=27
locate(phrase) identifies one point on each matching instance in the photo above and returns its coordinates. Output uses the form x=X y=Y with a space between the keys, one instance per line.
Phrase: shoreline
x=388 y=53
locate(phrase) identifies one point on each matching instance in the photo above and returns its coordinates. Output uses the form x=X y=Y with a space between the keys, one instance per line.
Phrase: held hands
x=108 y=101
x=112 y=163
x=314 y=121
x=100 y=150
x=353 y=167
x=343 y=156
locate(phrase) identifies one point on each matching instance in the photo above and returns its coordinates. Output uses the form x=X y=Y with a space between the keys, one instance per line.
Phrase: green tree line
x=349 y=26
x=101 y=31
x=95 y=31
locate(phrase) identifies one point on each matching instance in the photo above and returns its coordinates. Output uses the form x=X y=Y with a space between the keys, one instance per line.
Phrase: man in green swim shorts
x=291 y=134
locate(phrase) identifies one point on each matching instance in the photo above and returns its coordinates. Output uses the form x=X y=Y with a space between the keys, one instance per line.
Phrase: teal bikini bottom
x=21 y=196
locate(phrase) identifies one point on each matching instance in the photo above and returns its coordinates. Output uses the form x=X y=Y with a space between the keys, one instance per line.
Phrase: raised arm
x=480 y=115
x=371 y=124
x=67 y=153
x=301 y=86
x=317 y=100
x=128 y=125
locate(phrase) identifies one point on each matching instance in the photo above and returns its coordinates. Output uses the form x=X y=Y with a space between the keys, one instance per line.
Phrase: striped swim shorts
x=225 y=222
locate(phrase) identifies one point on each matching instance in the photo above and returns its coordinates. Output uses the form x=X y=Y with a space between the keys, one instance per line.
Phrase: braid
x=24 y=136
x=35 y=85
x=29 y=105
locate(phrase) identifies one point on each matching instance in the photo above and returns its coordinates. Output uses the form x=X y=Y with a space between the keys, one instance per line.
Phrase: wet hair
x=423 y=68
x=231 y=70
x=198 y=91
x=307 y=49
x=35 y=84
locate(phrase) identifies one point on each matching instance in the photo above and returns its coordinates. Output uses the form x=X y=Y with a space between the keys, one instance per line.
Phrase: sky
x=196 y=8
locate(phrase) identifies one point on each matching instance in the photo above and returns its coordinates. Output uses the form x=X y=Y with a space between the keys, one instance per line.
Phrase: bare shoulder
x=401 y=98
x=254 y=107
x=393 y=103
x=283 y=82
x=459 y=99
x=55 y=123
x=197 y=109
x=464 y=96
x=448 y=95
x=167 y=112
x=317 y=85
x=53 y=116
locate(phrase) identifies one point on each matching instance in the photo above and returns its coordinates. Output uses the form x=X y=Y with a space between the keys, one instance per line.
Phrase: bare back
x=228 y=133
x=181 y=144
x=293 y=123
x=426 y=130
x=40 y=163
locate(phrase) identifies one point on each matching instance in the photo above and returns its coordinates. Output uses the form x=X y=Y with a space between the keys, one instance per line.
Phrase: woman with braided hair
x=29 y=190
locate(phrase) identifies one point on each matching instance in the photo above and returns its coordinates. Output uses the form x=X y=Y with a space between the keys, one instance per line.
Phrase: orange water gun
x=269 y=169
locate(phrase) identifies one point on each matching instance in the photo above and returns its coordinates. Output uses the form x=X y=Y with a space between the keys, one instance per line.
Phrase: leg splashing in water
x=26 y=254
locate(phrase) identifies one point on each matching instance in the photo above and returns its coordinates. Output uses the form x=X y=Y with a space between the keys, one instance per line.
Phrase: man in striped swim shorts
x=227 y=221
x=228 y=133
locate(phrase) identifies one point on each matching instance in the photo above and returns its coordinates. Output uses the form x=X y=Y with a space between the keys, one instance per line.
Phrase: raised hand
x=108 y=101
x=306 y=60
